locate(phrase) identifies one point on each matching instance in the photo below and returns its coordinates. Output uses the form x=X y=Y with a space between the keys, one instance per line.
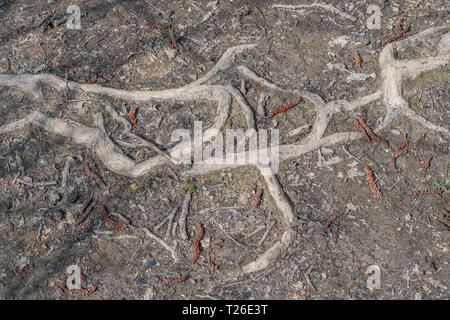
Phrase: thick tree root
x=281 y=246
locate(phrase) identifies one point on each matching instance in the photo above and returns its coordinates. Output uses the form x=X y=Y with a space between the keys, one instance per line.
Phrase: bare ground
x=407 y=237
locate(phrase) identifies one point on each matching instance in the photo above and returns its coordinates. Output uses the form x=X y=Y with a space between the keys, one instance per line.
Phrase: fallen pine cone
x=368 y=135
x=425 y=192
x=372 y=184
x=330 y=222
x=357 y=59
x=177 y=280
x=286 y=107
x=94 y=176
x=132 y=116
x=256 y=199
x=108 y=220
x=88 y=291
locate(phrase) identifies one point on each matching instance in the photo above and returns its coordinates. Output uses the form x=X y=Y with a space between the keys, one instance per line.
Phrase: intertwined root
x=393 y=73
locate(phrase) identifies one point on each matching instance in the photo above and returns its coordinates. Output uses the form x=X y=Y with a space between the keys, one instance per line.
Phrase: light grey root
x=183 y=215
x=170 y=222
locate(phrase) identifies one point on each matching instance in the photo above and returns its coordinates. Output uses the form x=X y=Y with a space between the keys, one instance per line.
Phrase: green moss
x=416 y=107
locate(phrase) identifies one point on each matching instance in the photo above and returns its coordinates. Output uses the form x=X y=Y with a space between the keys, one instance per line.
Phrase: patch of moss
x=416 y=107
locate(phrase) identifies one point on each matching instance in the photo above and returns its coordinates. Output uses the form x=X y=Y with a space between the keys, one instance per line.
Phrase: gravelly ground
x=407 y=237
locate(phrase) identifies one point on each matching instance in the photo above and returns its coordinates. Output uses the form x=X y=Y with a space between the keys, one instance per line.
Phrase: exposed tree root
x=281 y=246
x=393 y=73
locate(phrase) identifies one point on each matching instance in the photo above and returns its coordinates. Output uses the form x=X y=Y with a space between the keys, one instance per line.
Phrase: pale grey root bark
x=393 y=73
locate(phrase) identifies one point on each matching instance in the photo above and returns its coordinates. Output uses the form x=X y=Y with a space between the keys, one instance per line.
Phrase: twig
x=26 y=286
x=37 y=184
x=163 y=221
x=65 y=174
x=226 y=233
x=266 y=233
x=170 y=224
x=344 y=146
x=183 y=216
x=161 y=242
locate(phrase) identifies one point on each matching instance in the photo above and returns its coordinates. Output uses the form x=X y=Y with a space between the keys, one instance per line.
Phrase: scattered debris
x=308 y=279
x=159 y=26
x=357 y=59
x=362 y=44
x=85 y=211
x=65 y=65
x=172 y=43
x=425 y=192
x=132 y=117
x=94 y=176
x=325 y=6
x=212 y=266
x=269 y=227
x=229 y=237
x=121 y=218
x=63 y=290
x=261 y=103
x=94 y=80
x=368 y=135
x=207 y=16
x=330 y=221
x=30 y=183
x=399 y=28
x=161 y=242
